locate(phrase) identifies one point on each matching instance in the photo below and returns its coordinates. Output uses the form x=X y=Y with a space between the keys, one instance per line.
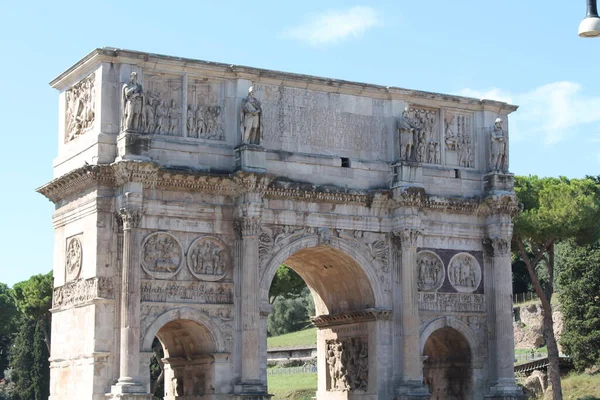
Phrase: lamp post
x=590 y=26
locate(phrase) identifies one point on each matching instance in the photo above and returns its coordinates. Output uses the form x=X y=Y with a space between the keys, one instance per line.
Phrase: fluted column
x=130 y=304
x=407 y=305
x=248 y=298
x=500 y=318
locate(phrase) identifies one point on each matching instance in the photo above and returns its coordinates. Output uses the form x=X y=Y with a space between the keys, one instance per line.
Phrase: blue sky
x=525 y=52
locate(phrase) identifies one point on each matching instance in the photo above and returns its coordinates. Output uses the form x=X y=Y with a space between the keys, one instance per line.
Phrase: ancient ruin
x=181 y=185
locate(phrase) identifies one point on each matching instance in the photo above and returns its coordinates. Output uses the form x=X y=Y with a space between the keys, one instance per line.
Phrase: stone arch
x=450 y=322
x=188 y=314
x=343 y=248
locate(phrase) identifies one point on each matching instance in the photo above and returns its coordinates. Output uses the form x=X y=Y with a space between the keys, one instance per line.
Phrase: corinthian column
x=130 y=305
x=498 y=290
x=247 y=306
x=406 y=309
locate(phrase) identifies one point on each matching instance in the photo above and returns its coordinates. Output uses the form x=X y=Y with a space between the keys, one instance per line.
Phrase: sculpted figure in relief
x=347 y=364
x=431 y=271
x=498 y=143
x=161 y=254
x=132 y=102
x=406 y=133
x=464 y=273
x=251 y=109
x=208 y=257
x=73 y=259
x=80 y=108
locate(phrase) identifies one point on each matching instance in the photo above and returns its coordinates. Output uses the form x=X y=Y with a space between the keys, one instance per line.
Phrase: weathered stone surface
x=181 y=185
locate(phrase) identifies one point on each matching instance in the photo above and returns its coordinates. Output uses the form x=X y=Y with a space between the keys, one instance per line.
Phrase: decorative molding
x=351 y=317
x=82 y=291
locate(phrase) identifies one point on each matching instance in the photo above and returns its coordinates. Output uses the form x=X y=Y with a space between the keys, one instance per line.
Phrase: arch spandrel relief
x=162 y=255
x=208 y=259
x=431 y=271
x=464 y=273
x=73 y=259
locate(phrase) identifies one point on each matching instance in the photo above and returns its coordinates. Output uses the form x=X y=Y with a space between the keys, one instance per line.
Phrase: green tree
x=554 y=210
x=580 y=302
x=33 y=299
x=286 y=283
x=8 y=314
x=31 y=348
x=290 y=314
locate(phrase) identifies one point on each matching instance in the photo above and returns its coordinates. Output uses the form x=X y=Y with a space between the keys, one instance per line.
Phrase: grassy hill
x=304 y=337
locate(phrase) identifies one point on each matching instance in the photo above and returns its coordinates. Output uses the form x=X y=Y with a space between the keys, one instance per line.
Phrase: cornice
x=351 y=317
x=151 y=175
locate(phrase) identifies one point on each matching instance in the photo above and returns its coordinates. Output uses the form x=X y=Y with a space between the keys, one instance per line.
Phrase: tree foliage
x=286 y=283
x=291 y=314
x=580 y=302
x=554 y=210
x=8 y=314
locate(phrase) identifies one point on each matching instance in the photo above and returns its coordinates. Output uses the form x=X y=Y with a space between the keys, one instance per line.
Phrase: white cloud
x=333 y=26
x=552 y=111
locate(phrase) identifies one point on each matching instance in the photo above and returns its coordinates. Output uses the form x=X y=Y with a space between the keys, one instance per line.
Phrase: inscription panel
x=301 y=120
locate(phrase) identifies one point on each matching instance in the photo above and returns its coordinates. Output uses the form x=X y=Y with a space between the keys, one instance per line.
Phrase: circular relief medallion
x=431 y=271
x=464 y=273
x=73 y=259
x=208 y=259
x=161 y=255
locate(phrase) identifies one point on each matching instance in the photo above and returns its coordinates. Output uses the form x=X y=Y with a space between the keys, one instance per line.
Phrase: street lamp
x=590 y=26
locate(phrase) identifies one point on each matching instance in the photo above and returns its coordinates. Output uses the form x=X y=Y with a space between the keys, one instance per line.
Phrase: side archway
x=185 y=314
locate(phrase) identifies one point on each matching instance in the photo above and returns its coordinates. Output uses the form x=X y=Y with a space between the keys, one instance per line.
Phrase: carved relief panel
x=431 y=271
x=464 y=273
x=204 y=111
x=427 y=147
x=73 y=259
x=458 y=139
x=161 y=110
x=162 y=255
x=80 y=104
x=208 y=259
x=347 y=364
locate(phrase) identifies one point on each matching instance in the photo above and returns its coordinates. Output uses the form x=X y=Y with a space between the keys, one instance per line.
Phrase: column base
x=251 y=391
x=129 y=391
x=505 y=391
x=412 y=390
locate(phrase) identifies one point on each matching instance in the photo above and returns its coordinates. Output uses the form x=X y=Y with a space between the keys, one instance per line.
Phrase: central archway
x=346 y=292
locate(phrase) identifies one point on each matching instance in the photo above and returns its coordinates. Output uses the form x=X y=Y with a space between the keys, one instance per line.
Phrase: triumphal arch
x=181 y=185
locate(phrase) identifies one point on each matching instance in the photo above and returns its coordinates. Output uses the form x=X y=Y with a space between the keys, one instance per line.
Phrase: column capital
x=497 y=246
x=129 y=217
x=247 y=226
x=408 y=236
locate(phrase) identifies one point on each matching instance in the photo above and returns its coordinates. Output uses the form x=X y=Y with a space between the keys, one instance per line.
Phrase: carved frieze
x=80 y=104
x=458 y=302
x=294 y=118
x=347 y=364
x=431 y=271
x=73 y=259
x=208 y=259
x=186 y=292
x=464 y=272
x=82 y=291
x=162 y=255
x=458 y=137
x=204 y=116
